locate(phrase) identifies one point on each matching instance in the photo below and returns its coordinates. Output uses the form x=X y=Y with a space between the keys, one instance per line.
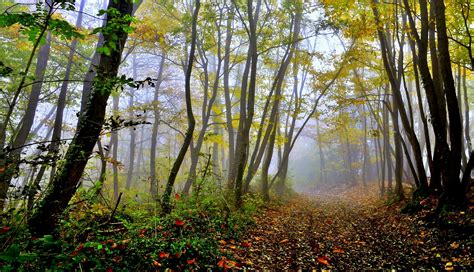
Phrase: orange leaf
x=222 y=242
x=177 y=196
x=156 y=264
x=192 y=261
x=221 y=263
x=284 y=241
x=323 y=260
x=338 y=250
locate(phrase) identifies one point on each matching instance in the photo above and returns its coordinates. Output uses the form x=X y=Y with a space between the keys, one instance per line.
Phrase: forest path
x=348 y=230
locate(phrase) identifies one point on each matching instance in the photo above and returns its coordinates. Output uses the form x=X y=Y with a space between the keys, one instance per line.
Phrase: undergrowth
x=137 y=238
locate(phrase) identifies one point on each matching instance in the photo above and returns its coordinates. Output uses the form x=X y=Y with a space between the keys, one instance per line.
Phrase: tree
x=189 y=111
x=64 y=184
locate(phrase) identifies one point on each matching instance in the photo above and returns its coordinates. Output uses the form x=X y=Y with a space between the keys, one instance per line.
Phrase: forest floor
x=351 y=229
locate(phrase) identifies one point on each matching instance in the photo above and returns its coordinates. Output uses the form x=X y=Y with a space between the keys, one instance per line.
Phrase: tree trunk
x=114 y=145
x=247 y=103
x=132 y=148
x=453 y=193
x=64 y=184
x=154 y=131
x=189 y=111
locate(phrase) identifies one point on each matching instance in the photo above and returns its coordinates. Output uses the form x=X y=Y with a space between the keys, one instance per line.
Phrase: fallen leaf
x=284 y=241
x=454 y=245
x=323 y=260
x=448 y=266
x=245 y=244
x=164 y=255
x=179 y=223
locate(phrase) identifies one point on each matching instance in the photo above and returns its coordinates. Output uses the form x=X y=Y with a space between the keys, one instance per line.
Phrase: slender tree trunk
x=321 y=154
x=19 y=139
x=154 y=131
x=466 y=114
x=266 y=163
x=58 y=123
x=366 y=156
x=189 y=111
x=227 y=97
x=132 y=148
x=114 y=145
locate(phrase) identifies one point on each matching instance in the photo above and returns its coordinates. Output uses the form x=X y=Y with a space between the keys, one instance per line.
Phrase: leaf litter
x=350 y=229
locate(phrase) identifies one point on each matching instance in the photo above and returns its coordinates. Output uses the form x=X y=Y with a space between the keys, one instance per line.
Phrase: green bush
x=137 y=240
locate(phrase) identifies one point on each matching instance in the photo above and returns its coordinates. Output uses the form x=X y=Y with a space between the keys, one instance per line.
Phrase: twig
x=115 y=209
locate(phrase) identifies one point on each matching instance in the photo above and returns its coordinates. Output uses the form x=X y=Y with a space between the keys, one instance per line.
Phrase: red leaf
x=109 y=269
x=245 y=244
x=164 y=255
x=177 y=196
x=179 y=223
x=192 y=261
x=4 y=229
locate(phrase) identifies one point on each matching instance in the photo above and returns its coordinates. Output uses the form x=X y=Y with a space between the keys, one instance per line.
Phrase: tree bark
x=64 y=184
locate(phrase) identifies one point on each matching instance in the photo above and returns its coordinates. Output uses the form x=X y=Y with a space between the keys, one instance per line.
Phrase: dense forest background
x=122 y=116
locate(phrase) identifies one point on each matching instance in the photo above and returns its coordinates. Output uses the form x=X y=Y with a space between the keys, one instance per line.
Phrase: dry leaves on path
x=352 y=230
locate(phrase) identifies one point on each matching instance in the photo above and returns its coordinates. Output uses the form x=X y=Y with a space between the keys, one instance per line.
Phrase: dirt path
x=349 y=231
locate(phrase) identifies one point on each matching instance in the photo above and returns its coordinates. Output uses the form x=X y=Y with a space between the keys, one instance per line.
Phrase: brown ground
x=352 y=229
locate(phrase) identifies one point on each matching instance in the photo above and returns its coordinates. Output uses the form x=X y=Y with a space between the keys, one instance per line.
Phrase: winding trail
x=349 y=230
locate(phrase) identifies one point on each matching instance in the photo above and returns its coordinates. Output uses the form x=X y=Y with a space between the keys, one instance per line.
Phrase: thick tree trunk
x=247 y=104
x=64 y=184
x=453 y=193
